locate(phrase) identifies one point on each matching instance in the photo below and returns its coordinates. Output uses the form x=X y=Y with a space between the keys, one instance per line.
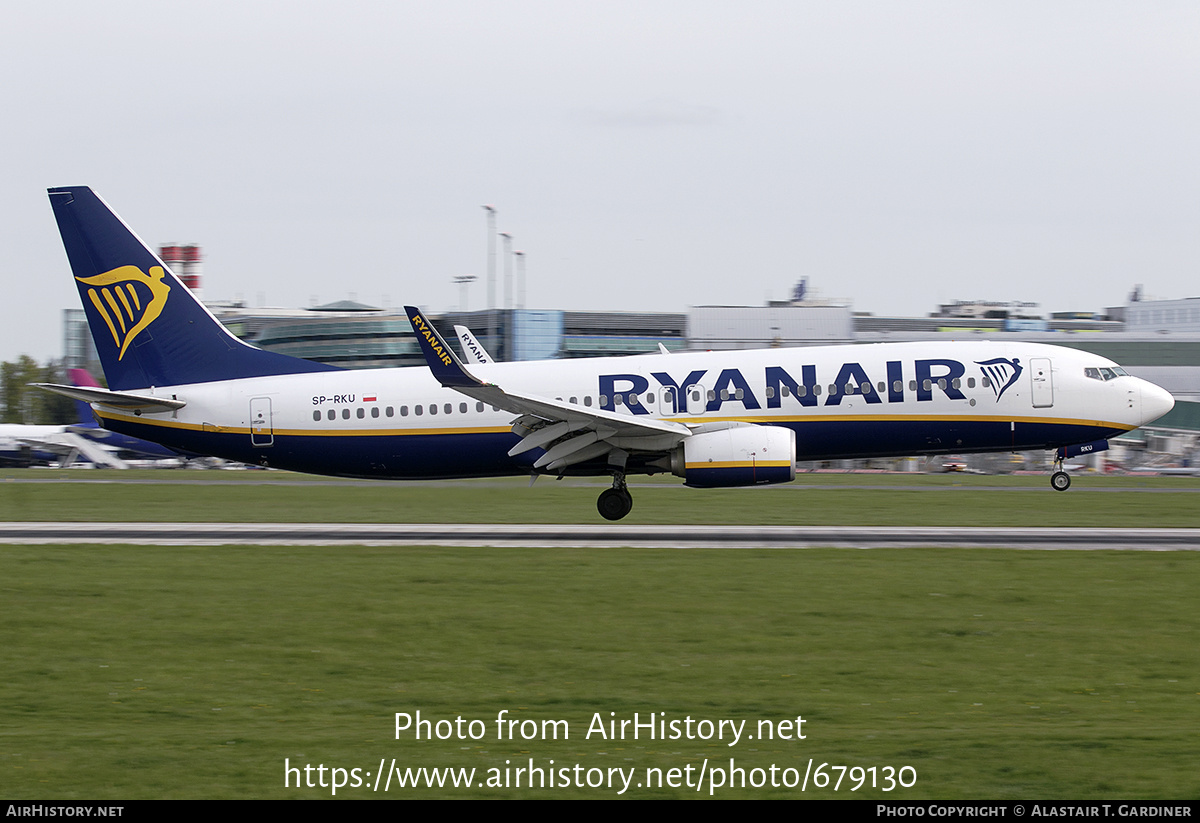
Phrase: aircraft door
x=261 y=432
x=697 y=399
x=1040 y=376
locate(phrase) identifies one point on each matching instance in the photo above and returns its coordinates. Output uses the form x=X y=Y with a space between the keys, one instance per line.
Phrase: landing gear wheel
x=614 y=504
x=1060 y=481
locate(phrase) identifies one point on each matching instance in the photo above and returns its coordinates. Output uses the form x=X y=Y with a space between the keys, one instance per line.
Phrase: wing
x=570 y=433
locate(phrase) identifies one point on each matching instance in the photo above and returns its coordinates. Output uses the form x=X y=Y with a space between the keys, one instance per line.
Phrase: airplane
x=717 y=419
x=122 y=445
x=24 y=445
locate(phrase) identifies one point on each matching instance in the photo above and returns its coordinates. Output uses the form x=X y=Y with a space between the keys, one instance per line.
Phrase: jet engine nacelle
x=741 y=454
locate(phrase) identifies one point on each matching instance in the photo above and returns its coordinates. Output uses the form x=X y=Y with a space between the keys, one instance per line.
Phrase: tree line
x=20 y=403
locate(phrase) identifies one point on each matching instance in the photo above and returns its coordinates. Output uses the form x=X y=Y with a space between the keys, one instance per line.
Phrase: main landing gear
x=1060 y=481
x=616 y=502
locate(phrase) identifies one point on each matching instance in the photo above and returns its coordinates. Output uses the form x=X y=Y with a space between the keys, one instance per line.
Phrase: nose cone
x=1156 y=401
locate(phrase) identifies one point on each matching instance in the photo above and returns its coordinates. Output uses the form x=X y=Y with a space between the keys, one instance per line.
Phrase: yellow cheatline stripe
x=176 y=424
x=906 y=418
x=741 y=464
x=208 y=427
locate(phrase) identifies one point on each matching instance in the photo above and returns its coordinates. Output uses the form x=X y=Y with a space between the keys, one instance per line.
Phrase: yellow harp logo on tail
x=128 y=300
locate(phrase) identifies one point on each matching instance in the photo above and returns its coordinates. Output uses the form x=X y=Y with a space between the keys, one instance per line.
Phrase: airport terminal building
x=1158 y=340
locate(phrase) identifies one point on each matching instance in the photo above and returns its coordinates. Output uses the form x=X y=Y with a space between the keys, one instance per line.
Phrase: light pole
x=507 y=269
x=491 y=272
x=463 y=280
x=520 y=279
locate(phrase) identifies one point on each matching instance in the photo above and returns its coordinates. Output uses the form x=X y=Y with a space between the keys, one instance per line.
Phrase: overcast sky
x=645 y=155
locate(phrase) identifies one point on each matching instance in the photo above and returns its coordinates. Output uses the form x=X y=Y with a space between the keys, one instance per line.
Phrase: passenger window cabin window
x=574 y=401
x=897 y=386
x=418 y=410
x=361 y=413
x=784 y=391
x=970 y=383
x=912 y=385
x=587 y=400
x=345 y=414
x=374 y=411
x=882 y=387
x=433 y=408
x=770 y=392
x=479 y=407
x=388 y=411
x=316 y=415
x=462 y=408
x=329 y=415
x=927 y=385
x=986 y=383
x=448 y=408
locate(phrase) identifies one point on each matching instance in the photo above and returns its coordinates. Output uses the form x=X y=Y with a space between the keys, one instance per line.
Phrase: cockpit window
x=1105 y=373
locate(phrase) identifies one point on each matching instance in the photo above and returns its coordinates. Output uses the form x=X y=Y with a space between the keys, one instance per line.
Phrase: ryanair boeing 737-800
x=735 y=418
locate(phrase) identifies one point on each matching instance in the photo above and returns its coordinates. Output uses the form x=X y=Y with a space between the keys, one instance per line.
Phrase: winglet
x=472 y=349
x=444 y=364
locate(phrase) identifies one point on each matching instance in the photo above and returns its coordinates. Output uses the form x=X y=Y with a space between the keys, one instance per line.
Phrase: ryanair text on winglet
x=431 y=338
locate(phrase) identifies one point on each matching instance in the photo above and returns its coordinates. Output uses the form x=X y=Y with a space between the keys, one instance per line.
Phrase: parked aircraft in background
x=27 y=445
x=122 y=445
x=728 y=418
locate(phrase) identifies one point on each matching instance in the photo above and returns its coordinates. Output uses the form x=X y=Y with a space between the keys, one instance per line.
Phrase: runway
x=595 y=536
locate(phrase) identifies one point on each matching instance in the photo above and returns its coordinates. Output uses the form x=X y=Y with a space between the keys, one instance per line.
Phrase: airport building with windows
x=1158 y=340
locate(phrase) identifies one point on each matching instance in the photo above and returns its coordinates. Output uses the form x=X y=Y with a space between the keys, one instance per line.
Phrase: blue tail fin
x=149 y=329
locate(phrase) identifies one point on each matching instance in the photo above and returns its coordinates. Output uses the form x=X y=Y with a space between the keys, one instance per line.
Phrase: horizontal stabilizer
x=116 y=399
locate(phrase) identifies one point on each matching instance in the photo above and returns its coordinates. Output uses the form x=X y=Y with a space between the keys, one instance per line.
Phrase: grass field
x=814 y=499
x=194 y=672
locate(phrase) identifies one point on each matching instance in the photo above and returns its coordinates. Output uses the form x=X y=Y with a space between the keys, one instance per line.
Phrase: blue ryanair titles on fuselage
x=799 y=385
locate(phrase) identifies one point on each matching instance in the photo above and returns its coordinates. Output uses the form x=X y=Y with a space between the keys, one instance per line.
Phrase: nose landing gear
x=1060 y=481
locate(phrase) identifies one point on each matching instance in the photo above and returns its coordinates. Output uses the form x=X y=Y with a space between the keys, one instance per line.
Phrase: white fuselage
x=842 y=401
